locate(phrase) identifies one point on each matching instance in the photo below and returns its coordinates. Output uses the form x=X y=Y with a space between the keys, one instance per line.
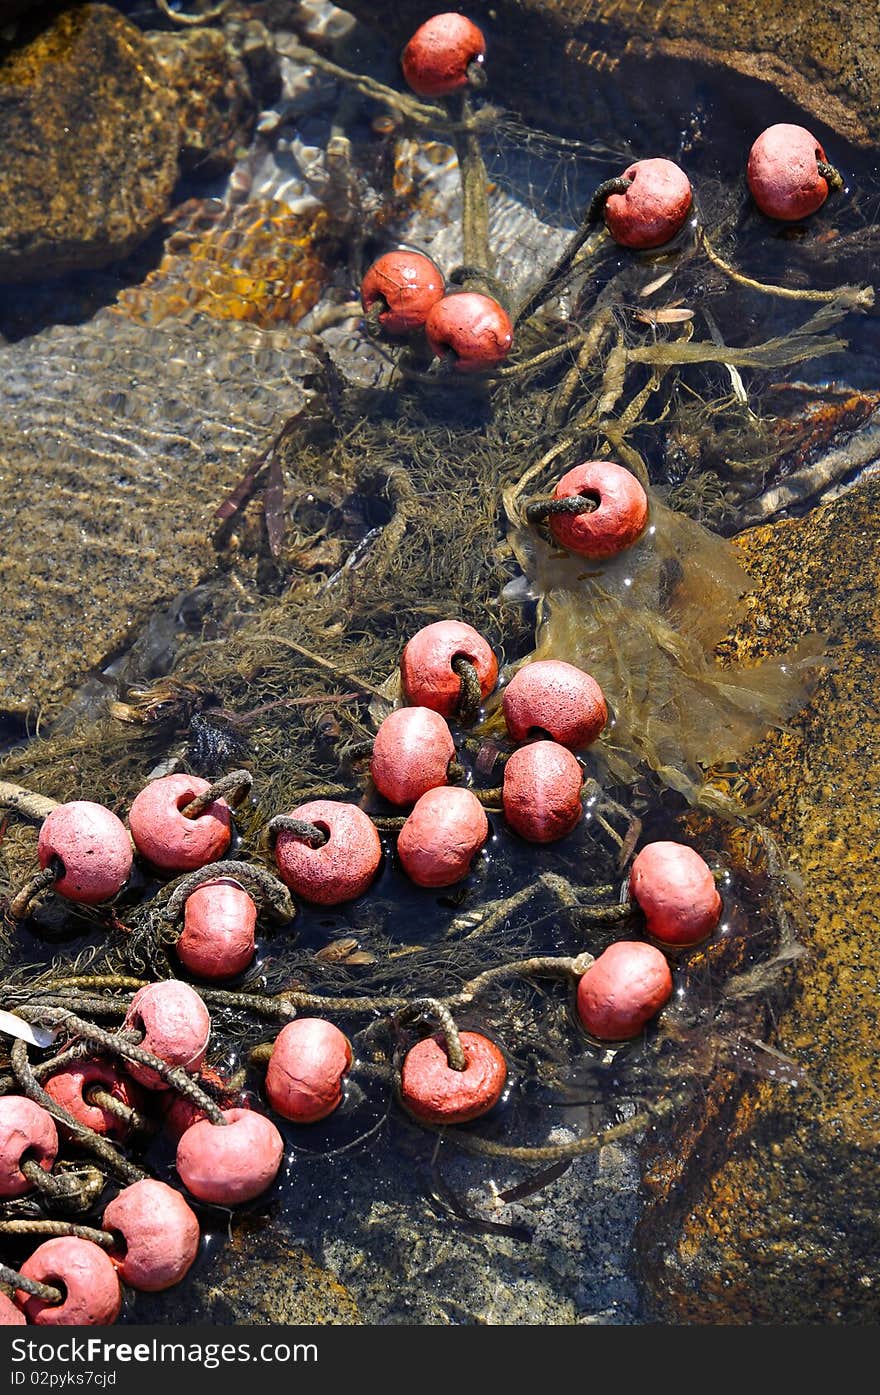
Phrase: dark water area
x=413 y=1231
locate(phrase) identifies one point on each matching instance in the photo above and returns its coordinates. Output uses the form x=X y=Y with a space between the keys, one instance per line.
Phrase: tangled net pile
x=428 y=480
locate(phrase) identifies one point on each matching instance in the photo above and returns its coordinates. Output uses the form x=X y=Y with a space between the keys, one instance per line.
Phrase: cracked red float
x=622 y=990
x=217 y=939
x=94 y=847
x=27 y=1130
x=176 y=1026
x=159 y=1235
x=231 y=1162
x=442 y=836
x=783 y=172
x=166 y=837
x=427 y=665
x=339 y=869
x=542 y=790
x=76 y=1086
x=86 y=1277
x=436 y=59
x=411 y=754
x=472 y=328
x=310 y=1060
x=618 y=518
x=654 y=207
x=403 y=286
x=556 y=698
x=433 y=1091
x=676 y=890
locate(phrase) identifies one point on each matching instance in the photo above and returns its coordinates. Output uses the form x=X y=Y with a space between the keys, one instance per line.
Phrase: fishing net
x=377 y=510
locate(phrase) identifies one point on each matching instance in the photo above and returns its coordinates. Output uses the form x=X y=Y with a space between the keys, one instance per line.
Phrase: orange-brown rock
x=90 y=144
x=763 y=1207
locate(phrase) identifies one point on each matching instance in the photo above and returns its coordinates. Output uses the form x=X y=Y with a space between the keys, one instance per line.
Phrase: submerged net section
x=420 y=483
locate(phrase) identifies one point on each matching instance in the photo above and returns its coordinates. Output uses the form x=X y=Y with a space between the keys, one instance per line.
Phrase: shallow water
x=410 y=1238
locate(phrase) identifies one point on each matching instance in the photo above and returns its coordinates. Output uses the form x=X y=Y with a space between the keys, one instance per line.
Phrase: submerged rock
x=261 y=1278
x=216 y=89
x=90 y=145
x=765 y=1211
x=155 y=424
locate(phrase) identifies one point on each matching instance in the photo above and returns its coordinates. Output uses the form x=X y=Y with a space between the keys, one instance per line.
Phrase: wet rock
x=555 y=1258
x=153 y=423
x=823 y=60
x=764 y=1210
x=219 y=80
x=89 y=145
x=259 y=1278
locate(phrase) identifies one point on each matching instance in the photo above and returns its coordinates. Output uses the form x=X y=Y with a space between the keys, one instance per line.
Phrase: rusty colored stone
x=90 y=144
x=763 y=1204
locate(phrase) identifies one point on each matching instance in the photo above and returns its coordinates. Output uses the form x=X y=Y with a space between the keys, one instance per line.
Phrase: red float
x=340 y=869
x=232 y=1162
x=675 y=888
x=165 y=837
x=160 y=1235
x=176 y=1026
x=620 y=515
x=411 y=754
x=179 y=1114
x=473 y=327
x=26 y=1130
x=429 y=680
x=72 y=1088
x=217 y=939
x=653 y=209
x=552 y=696
x=542 y=791
x=407 y=284
x=433 y=1092
x=94 y=846
x=309 y=1061
x=783 y=172
x=435 y=62
x=439 y=840
x=10 y=1314
x=622 y=990
x=83 y=1273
